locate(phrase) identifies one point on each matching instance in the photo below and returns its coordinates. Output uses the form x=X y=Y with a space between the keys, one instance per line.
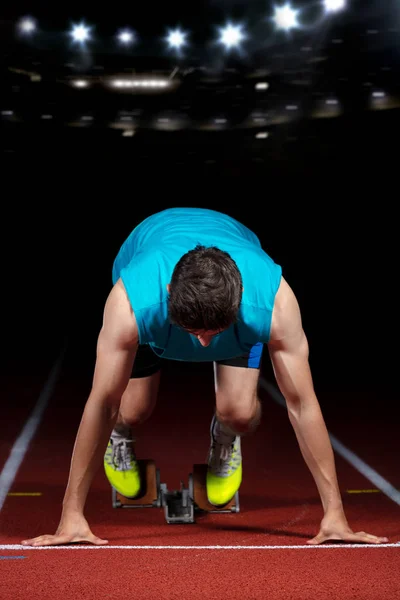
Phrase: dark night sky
x=65 y=213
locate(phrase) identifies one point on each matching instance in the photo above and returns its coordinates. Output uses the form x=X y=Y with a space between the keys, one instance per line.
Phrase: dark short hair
x=205 y=290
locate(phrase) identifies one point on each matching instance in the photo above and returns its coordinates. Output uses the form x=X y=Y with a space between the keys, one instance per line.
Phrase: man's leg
x=238 y=408
x=137 y=404
x=238 y=413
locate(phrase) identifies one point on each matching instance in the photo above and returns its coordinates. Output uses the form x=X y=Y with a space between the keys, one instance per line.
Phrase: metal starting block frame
x=180 y=506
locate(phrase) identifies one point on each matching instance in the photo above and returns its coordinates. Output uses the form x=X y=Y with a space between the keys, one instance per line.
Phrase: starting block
x=180 y=506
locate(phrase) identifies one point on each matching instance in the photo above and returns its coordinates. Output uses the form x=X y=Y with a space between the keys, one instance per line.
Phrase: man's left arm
x=289 y=352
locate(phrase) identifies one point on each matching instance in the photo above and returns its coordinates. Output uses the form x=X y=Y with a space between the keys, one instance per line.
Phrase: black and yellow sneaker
x=224 y=474
x=120 y=466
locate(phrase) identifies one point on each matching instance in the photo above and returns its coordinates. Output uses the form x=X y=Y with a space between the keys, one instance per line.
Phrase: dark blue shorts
x=147 y=362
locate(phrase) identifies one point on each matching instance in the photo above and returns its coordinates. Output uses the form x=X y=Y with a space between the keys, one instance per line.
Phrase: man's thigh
x=236 y=382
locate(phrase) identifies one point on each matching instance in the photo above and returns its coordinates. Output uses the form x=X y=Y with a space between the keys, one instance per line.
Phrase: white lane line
x=382 y=484
x=21 y=444
x=106 y=547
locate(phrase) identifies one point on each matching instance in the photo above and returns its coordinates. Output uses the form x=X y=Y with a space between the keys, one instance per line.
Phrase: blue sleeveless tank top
x=145 y=263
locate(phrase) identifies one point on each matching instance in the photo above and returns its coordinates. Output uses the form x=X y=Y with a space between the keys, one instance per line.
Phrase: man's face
x=204 y=336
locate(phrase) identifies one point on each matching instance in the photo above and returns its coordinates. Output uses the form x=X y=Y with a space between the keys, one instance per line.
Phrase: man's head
x=205 y=290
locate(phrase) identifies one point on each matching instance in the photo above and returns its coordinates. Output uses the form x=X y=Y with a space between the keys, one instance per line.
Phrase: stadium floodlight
x=176 y=39
x=126 y=37
x=231 y=36
x=334 y=5
x=27 y=25
x=285 y=17
x=80 y=33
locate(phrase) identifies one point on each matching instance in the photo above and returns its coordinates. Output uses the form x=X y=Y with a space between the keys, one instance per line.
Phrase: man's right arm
x=116 y=350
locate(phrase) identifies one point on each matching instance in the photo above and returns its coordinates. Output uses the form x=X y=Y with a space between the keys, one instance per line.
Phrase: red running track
x=258 y=553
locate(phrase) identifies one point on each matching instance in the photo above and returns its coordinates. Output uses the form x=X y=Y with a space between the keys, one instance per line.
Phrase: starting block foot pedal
x=180 y=505
x=149 y=495
x=200 y=493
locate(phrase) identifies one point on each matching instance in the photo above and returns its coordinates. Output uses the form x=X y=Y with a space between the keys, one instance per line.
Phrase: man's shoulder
x=286 y=312
x=119 y=313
